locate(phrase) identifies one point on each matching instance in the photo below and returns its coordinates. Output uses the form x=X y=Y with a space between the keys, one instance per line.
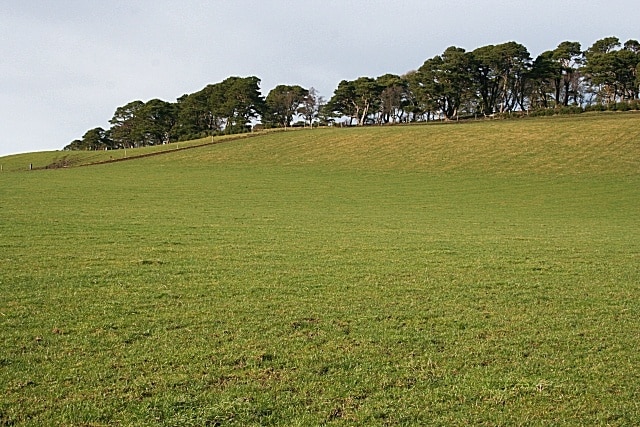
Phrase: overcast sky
x=66 y=65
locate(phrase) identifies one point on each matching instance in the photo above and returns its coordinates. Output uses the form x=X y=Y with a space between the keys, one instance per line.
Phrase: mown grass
x=483 y=273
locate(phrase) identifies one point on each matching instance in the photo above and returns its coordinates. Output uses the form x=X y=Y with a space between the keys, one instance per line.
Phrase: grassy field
x=483 y=273
x=66 y=159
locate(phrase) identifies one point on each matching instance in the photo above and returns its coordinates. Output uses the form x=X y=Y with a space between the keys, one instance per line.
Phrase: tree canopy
x=283 y=103
x=493 y=79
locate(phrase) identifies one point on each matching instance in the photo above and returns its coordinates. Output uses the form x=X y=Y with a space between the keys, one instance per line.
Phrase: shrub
x=595 y=107
x=571 y=109
x=623 y=106
x=540 y=112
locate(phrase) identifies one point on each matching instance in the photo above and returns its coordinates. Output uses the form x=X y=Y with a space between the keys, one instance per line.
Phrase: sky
x=66 y=65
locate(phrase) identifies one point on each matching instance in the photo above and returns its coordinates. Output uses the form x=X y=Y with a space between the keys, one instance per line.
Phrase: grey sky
x=66 y=65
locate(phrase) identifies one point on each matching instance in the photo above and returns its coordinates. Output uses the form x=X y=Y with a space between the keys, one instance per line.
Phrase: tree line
x=488 y=81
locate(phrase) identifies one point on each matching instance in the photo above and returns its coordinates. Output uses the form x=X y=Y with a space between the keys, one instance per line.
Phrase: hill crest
x=598 y=144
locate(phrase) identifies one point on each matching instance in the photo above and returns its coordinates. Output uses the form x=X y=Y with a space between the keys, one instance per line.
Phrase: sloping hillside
x=598 y=144
x=483 y=273
x=601 y=143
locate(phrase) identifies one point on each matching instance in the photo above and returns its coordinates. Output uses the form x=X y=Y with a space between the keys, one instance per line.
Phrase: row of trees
x=495 y=79
x=490 y=80
x=226 y=107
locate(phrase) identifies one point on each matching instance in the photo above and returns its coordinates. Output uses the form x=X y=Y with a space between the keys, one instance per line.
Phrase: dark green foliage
x=394 y=98
x=567 y=56
x=126 y=125
x=571 y=109
x=613 y=72
x=447 y=80
x=355 y=99
x=499 y=75
x=225 y=107
x=491 y=81
x=140 y=124
x=282 y=104
x=237 y=101
x=93 y=139
x=158 y=119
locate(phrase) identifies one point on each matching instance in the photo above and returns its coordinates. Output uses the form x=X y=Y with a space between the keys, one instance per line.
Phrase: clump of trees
x=493 y=80
x=498 y=80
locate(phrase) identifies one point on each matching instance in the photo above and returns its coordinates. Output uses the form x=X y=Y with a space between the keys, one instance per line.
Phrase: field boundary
x=55 y=165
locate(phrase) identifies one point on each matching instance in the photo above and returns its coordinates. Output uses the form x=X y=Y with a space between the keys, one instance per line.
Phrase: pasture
x=484 y=273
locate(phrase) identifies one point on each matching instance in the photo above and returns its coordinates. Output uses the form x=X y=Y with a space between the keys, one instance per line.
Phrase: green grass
x=65 y=159
x=484 y=273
